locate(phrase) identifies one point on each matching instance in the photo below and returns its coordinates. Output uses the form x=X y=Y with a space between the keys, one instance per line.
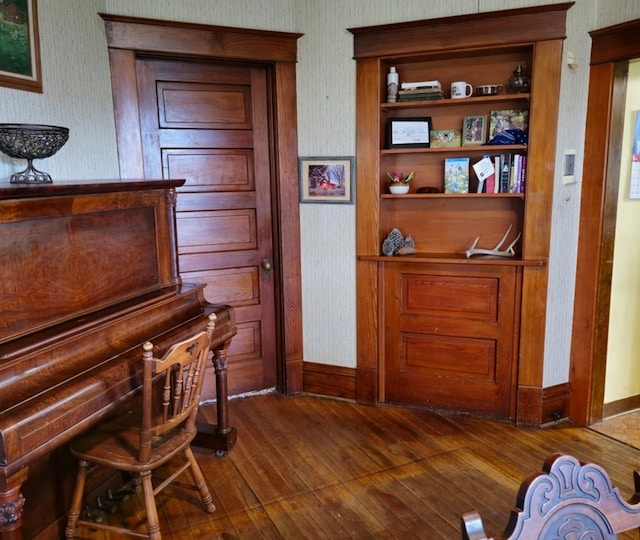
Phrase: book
x=456 y=175
x=484 y=171
x=421 y=84
x=505 y=172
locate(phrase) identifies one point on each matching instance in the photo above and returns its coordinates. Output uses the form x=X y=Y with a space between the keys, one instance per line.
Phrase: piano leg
x=220 y=438
x=11 y=504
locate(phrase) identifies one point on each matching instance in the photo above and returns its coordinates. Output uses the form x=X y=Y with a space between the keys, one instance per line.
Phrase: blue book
x=456 y=175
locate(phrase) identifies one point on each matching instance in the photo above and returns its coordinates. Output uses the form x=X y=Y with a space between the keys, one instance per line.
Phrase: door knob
x=267 y=265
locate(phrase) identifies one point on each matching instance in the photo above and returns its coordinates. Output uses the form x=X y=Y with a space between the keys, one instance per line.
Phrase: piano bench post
x=221 y=438
x=11 y=505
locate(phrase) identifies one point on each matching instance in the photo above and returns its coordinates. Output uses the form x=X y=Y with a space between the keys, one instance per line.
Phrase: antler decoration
x=496 y=251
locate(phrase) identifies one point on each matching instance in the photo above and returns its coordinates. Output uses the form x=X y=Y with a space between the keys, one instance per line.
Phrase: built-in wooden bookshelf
x=437 y=328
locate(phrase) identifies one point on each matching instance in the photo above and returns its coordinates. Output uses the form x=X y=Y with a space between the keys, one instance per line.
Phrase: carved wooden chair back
x=171 y=389
x=568 y=500
x=148 y=436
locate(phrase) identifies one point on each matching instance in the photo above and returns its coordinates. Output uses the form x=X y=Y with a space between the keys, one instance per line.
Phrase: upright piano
x=89 y=273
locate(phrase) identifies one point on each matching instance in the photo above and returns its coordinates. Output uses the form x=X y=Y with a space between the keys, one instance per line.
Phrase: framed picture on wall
x=20 y=45
x=326 y=179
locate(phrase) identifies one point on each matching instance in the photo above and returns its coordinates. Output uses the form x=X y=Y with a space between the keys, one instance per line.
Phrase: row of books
x=504 y=173
x=510 y=175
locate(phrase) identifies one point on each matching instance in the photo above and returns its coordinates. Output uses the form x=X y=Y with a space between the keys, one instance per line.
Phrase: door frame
x=128 y=37
x=611 y=50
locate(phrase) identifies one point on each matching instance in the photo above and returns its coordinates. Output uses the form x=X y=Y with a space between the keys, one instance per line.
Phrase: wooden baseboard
x=540 y=406
x=326 y=380
x=555 y=403
x=621 y=406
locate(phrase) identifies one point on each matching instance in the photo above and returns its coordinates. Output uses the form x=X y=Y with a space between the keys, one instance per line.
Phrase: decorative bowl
x=488 y=89
x=31 y=141
x=398 y=189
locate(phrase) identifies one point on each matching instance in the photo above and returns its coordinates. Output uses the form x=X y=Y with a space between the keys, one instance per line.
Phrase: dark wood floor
x=309 y=467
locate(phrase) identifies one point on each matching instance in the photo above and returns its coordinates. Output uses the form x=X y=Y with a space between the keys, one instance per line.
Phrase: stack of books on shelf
x=510 y=174
x=420 y=91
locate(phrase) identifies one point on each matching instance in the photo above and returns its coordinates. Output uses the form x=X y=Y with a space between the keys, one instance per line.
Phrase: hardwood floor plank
x=308 y=467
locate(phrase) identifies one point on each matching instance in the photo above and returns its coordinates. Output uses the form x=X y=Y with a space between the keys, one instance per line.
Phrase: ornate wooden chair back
x=148 y=436
x=568 y=500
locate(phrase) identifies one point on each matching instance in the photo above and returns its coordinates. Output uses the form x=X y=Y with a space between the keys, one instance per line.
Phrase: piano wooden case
x=89 y=272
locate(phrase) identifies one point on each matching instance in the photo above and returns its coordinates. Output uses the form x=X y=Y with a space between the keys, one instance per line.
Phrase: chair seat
x=116 y=443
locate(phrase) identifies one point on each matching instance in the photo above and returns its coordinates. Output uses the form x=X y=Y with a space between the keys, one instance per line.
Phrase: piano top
x=59 y=189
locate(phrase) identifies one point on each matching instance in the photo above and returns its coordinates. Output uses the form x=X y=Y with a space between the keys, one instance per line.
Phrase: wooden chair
x=142 y=440
x=568 y=500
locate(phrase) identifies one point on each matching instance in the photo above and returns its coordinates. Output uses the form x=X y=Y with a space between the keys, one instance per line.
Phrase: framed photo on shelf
x=20 y=46
x=409 y=132
x=474 y=130
x=508 y=119
x=326 y=179
x=445 y=138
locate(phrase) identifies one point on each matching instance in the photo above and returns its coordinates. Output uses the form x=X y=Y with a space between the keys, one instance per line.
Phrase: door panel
x=208 y=123
x=450 y=337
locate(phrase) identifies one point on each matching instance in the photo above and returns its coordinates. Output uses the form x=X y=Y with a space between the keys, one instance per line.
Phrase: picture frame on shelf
x=508 y=119
x=20 y=48
x=326 y=179
x=474 y=130
x=445 y=138
x=409 y=132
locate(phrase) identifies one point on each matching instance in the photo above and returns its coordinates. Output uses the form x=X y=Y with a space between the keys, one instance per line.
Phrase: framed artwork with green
x=20 y=45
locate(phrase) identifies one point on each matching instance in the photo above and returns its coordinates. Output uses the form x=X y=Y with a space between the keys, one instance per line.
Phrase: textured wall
x=77 y=94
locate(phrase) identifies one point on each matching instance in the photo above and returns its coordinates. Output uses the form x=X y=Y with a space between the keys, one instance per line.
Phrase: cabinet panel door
x=450 y=336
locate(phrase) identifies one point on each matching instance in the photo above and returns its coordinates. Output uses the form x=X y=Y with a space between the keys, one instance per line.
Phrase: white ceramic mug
x=461 y=89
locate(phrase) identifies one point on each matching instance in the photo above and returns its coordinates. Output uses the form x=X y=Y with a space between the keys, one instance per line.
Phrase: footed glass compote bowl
x=31 y=141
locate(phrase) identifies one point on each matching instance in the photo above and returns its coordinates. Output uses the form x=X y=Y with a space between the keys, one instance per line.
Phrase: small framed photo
x=326 y=179
x=474 y=130
x=409 y=132
x=508 y=119
x=445 y=138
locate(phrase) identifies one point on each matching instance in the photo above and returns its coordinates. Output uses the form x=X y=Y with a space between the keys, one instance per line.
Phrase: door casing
x=611 y=50
x=128 y=37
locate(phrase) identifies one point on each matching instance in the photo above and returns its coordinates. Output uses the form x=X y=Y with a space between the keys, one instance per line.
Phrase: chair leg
x=200 y=482
x=153 y=522
x=76 y=500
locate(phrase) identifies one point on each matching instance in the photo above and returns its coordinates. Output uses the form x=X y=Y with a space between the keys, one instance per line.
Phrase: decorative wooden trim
x=537 y=23
x=621 y=406
x=611 y=49
x=151 y=35
x=327 y=380
x=555 y=403
x=615 y=43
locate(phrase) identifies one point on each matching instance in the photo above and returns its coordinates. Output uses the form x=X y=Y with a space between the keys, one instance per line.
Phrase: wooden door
x=209 y=123
x=450 y=337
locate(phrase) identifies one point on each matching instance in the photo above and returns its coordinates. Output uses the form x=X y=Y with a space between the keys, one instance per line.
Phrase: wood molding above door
x=129 y=37
x=611 y=50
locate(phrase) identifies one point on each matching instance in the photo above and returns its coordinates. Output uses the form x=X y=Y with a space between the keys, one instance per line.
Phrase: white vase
x=397 y=189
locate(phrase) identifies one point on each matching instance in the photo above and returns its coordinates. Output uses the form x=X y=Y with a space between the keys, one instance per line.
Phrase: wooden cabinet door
x=450 y=337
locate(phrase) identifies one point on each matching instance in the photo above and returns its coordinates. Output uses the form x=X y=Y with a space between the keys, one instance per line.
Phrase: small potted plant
x=399 y=182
